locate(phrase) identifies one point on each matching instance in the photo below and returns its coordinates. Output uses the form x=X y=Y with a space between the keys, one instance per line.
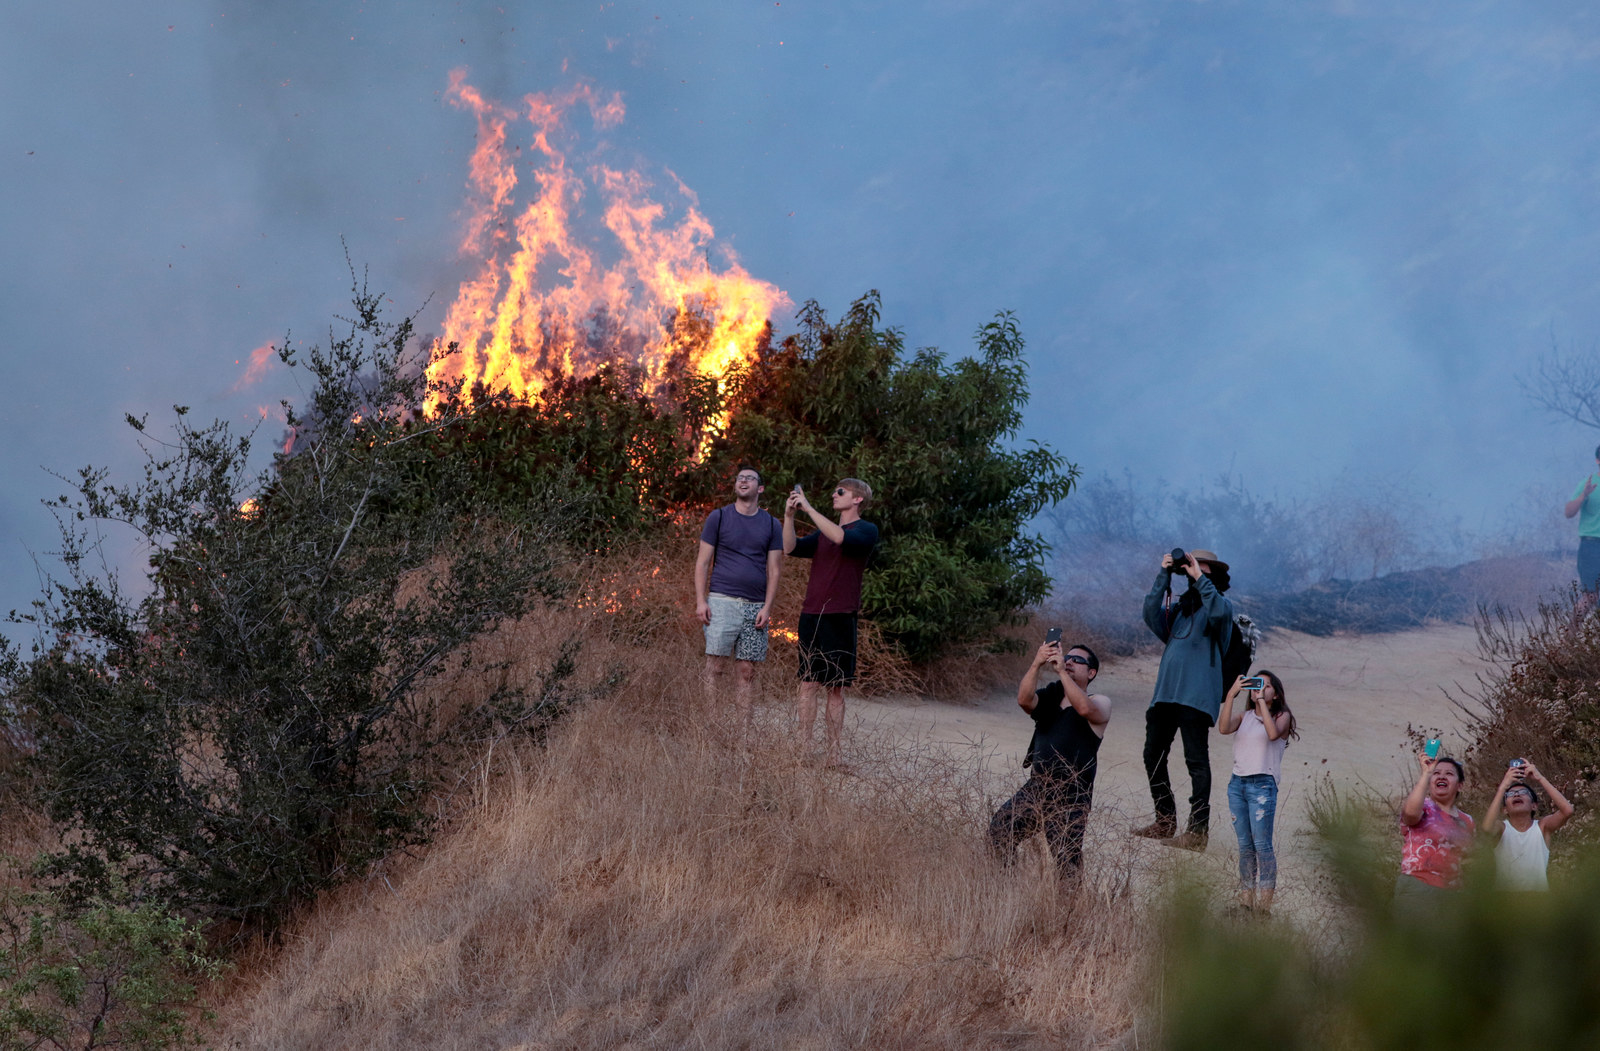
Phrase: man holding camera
x=1069 y=723
x=1196 y=631
x=839 y=552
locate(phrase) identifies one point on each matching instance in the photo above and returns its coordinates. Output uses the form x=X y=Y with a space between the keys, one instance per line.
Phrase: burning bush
x=958 y=561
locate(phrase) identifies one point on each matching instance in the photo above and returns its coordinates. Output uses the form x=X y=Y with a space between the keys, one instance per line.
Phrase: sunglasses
x=1075 y=658
x=840 y=491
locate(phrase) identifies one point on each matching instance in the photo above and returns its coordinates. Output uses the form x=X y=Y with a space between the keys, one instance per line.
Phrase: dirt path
x=1353 y=698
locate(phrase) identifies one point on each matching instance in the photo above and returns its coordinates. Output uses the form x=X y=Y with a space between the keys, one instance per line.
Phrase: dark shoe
x=1157 y=829
x=1239 y=912
x=1195 y=841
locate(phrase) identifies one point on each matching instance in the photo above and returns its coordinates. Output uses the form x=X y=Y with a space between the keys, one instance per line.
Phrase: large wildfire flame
x=544 y=300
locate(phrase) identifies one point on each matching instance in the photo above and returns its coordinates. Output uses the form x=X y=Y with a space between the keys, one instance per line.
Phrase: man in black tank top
x=1069 y=723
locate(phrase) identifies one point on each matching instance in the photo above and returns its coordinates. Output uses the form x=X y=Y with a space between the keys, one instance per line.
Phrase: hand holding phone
x=1431 y=749
x=1254 y=682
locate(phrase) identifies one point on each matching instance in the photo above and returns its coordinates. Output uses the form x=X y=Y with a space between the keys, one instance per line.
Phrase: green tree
x=953 y=496
x=255 y=725
x=107 y=974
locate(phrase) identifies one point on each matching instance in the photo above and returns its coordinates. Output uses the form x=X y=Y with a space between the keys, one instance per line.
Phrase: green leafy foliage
x=104 y=974
x=1490 y=970
x=952 y=497
x=255 y=724
x=610 y=457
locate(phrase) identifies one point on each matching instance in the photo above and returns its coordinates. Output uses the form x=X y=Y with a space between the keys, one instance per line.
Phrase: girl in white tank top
x=1523 y=853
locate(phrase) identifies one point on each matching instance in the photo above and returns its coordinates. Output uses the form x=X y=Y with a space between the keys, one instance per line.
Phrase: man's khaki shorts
x=732 y=631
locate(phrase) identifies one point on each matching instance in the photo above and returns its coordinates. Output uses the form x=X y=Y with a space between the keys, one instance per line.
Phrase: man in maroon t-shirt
x=838 y=553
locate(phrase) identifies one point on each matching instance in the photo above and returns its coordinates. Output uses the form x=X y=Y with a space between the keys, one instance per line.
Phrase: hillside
x=649 y=881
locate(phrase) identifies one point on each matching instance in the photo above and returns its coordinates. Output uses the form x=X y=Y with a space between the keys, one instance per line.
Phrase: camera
x=1179 y=557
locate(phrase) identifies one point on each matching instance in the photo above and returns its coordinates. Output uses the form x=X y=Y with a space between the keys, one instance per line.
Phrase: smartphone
x=1052 y=636
x=1431 y=749
x=1255 y=682
x=796 y=487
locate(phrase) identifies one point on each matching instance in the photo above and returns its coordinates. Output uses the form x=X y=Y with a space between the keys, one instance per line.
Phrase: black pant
x=1059 y=805
x=1162 y=722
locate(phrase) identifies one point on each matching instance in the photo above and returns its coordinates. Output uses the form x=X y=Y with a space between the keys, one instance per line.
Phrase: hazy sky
x=1293 y=239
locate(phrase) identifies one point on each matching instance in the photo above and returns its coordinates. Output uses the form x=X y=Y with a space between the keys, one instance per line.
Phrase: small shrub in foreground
x=104 y=974
x=1491 y=970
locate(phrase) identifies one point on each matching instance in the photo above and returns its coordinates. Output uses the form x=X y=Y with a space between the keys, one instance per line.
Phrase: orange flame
x=543 y=298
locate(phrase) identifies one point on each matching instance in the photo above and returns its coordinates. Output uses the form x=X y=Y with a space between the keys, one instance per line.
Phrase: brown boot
x=1158 y=829
x=1195 y=841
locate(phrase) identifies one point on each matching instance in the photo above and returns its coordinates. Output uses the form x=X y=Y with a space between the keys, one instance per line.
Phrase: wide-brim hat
x=1209 y=556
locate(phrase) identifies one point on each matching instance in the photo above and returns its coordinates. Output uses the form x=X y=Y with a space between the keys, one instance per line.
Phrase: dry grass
x=643 y=885
x=652 y=878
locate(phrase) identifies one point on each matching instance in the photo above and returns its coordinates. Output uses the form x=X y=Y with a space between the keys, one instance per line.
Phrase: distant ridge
x=1413 y=598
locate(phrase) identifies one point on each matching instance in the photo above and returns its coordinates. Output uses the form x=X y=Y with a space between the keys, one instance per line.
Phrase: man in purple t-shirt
x=838 y=553
x=735 y=580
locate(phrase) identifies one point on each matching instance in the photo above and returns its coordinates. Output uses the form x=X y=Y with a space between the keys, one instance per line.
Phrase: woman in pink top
x=1437 y=837
x=1261 y=725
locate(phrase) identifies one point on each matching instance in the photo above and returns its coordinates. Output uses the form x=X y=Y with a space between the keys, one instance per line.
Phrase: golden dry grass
x=642 y=882
x=652 y=877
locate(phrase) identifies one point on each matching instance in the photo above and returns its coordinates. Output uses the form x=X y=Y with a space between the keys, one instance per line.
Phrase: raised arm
x=1411 y=809
x=1028 y=688
x=1492 y=819
x=1564 y=808
x=825 y=525
x=788 y=521
x=1227 y=719
x=1092 y=710
x=1154 y=613
x=1214 y=605
x=1277 y=725
x=1576 y=503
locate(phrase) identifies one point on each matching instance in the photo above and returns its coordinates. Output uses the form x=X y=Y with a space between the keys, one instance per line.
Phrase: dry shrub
x=1539 y=702
x=649 y=880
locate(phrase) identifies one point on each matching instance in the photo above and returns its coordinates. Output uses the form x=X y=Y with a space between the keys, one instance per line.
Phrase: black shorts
x=828 y=648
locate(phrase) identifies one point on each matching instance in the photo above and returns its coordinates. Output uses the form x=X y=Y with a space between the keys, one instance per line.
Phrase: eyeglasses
x=840 y=491
x=1075 y=658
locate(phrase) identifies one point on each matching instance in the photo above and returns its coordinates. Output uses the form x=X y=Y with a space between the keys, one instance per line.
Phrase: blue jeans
x=1253 y=802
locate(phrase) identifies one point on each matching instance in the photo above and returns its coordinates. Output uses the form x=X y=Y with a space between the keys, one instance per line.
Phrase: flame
x=544 y=296
x=250 y=508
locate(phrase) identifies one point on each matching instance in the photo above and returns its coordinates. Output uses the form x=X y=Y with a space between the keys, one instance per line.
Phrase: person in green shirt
x=1586 y=509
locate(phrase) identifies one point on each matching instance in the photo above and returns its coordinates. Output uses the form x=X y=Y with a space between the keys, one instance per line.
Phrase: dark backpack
x=1240 y=653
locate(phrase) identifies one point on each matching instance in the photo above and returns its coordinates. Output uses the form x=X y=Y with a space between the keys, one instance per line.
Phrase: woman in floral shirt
x=1437 y=837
